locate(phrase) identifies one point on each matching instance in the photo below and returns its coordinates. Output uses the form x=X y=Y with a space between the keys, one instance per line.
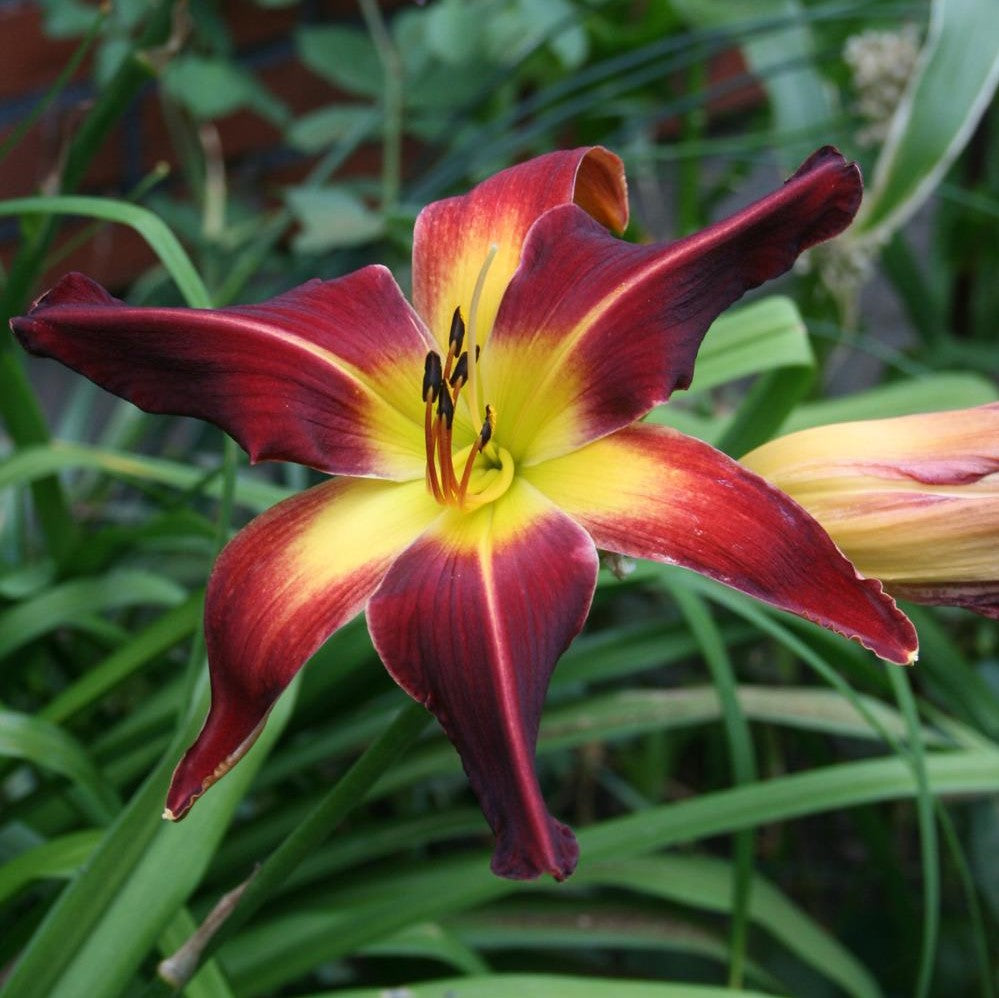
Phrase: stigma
x=443 y=382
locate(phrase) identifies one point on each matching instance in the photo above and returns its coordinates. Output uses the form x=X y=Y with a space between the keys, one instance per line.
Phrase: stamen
x=459 y=378
x=432 y=381
x=460 y=375
x=431 y=377
x=485 y=434
x=445 y=420
x=457 y=335
x=480 y=442
x=473 y=350
x=454 y=341
x=430 y=438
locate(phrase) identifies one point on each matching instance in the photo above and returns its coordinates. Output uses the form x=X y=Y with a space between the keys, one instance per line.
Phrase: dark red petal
x=279 y=589
x=453 y=237
x=470 y=622
x=314 y=376
x=611 y=329
x=651 y=492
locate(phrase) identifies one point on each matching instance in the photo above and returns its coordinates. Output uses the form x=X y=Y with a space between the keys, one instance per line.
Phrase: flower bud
x=912 y=501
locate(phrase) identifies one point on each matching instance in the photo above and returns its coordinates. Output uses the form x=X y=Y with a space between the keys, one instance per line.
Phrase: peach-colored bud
x=912 y=501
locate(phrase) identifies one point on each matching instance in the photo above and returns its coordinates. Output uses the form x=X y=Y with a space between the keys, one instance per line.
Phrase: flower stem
x=350 y=791
x=392 y=69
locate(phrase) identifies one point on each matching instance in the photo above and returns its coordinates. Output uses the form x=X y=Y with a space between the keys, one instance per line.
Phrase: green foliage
x=744 y=783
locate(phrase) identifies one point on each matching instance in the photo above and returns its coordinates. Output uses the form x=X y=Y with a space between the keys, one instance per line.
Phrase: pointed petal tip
x=840 y=182
x=207 y=761
x=896 y=640
x=182 y=794
x=518 y=859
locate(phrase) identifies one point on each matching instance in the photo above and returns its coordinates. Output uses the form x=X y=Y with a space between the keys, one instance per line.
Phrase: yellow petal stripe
x=279 y=589
x=454 y=236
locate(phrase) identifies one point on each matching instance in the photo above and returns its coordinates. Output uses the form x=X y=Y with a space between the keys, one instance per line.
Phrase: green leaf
x=782 y=56
x=344 y=56
x=902 y=398
x=67 y=18
x=556 y=924
x=31 y=463
x=429 y=940
x=58 y=858
x=347 y=123
x=764 y=335
x=742 y=756
x=214 y=87
x=360 y=913
x=928 y=847
x=767 y=337
x=542 y=986
x=167 y=630
x=331 y=218
x=623 y=714
x=122 y=929
x=951 y=89
x=47 y=746
x=70 y=603
x=702 y=882
x=149 y=225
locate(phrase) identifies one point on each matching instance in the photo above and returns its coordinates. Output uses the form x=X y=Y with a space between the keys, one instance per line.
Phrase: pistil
x=473 y=313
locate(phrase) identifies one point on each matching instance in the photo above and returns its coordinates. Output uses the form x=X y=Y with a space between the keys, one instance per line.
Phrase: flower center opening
x=486 y=468
x=479 y=472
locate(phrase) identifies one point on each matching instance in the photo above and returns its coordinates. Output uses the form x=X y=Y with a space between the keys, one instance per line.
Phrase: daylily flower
x=912 y=501
x=485 y=444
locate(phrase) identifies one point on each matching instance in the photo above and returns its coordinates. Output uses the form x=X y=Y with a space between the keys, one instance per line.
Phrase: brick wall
x=31 y=61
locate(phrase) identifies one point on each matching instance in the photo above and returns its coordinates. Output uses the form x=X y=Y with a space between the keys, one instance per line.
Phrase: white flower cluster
x=881 y=63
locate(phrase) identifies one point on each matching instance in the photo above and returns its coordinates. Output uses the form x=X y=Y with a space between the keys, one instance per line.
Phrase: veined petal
x=453 y=237
x=912 y=501
x=326 y=375
x=283 y=585
x=470 y=622
x=594 y=331
x=651 y=492
x=944 y=450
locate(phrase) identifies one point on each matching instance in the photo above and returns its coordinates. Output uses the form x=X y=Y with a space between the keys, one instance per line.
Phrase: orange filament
x=448 y=484
x=480 y=441
x=443 y=386
x=430 y=436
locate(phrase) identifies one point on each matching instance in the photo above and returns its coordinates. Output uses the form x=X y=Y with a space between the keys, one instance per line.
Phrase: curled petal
x=278 y=590
x=594 y=331
x=912 y=501
x=654 y=493
x=326 y=375
x=470 y=622
x=453 y=237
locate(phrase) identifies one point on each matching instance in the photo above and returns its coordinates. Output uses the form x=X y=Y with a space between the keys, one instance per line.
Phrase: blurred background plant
x=761 y=805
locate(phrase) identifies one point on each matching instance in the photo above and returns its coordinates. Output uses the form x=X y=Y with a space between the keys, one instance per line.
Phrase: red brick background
x=30 y=63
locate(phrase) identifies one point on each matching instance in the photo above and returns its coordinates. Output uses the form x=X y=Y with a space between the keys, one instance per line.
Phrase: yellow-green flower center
x=479 y=472
x=482 y=471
